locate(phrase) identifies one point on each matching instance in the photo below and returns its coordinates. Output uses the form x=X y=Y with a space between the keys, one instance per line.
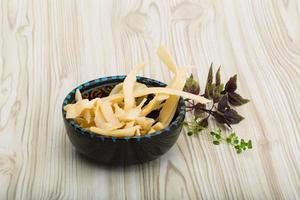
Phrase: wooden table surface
x=49 y=47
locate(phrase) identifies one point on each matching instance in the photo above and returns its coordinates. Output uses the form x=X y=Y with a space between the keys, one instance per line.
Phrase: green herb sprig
x=224 y=98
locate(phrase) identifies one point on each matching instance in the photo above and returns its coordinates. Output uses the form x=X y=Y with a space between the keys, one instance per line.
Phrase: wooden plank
x=48 y=48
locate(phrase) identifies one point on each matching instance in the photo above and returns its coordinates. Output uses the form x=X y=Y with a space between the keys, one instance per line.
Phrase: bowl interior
x=101 y=87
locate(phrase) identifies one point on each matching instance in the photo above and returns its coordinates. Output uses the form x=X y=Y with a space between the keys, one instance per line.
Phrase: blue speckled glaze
x=113 y=80
x=97 y=80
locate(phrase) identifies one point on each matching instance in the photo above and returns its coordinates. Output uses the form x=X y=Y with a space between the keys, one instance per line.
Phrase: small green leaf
x=236 y=100
x=221 y=88
x=198 y=129
x=228 y=140
x=211 y=90
x=232 y=134
x=231 y=84
x=206 y=93
x=190 y=133
x=215 y=142
x=249 y=144
x=209 y=81
x=216 y=94
x=218 y=136
x=192 y=86
x=243 y=142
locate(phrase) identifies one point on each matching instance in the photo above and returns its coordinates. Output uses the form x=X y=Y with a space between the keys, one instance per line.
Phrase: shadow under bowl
x=120 y=151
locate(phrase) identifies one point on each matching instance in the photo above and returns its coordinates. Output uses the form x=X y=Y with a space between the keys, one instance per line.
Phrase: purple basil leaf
x=219 y=117
x=204 y=122
x=231 y=84
x=198 y=109
x=236 y=100
x=232 y=117
x=223 y=103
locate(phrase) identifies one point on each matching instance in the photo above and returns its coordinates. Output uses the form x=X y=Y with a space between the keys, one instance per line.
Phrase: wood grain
x=49 y=47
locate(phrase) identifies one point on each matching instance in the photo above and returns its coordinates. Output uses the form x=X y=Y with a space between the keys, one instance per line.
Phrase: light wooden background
x=49 y=47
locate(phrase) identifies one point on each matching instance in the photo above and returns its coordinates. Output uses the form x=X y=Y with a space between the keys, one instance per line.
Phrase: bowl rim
x=175 y=123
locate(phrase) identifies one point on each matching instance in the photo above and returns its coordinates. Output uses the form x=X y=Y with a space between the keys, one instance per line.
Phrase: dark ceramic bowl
x=121 y=151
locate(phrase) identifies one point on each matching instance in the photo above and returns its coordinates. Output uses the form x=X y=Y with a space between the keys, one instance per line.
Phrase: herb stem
x=192 y=104
x=209 y=111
